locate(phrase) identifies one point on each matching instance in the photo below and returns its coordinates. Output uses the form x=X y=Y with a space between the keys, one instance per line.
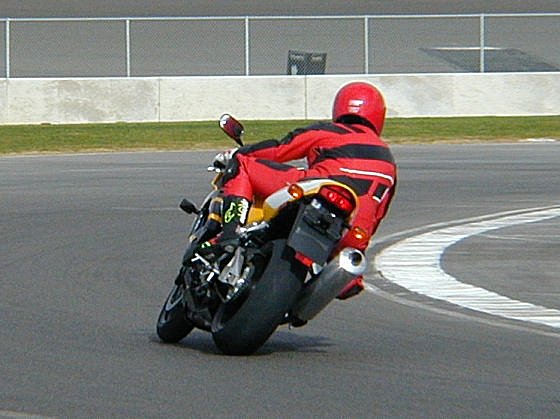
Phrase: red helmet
x=360 y=99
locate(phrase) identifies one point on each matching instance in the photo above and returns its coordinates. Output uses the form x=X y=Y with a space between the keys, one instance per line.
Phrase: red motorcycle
x=284 y=269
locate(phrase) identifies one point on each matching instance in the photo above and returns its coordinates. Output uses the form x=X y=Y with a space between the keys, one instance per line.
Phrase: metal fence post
x=7 y=48
x=482 y=44
x=127 y=34
x=366 y=45
x=247 y=63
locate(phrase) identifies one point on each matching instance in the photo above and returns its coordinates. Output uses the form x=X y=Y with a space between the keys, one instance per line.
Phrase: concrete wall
x=31 y=101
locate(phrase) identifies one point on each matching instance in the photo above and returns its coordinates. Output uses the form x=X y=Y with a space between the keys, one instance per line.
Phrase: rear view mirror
x=233 y=128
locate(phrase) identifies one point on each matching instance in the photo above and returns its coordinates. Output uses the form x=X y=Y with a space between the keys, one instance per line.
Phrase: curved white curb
x=414 y=263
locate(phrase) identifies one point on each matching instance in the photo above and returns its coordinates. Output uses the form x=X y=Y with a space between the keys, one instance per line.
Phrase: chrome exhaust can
x=322 y=290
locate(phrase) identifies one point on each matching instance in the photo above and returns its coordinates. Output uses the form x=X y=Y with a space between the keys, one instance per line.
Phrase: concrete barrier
x=91 y=100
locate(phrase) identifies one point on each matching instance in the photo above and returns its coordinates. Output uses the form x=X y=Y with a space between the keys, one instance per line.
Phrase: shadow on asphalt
x=279 y=342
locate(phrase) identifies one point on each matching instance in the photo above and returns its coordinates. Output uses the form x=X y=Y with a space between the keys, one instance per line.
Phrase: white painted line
x=539 y=140
x=112 y=169
x=466 y=48
x=13 y=414
x=415 y=263
x=146 y=208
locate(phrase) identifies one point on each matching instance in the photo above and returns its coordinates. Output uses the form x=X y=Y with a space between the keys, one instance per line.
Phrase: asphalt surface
x=90 y=245
x=106 y=8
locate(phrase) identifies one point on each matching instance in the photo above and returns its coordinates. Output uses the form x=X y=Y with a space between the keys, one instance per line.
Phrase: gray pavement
x=105 y=8
x=90 y=246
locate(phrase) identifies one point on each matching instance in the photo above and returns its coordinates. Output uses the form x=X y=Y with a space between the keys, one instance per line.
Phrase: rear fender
x=315 y=233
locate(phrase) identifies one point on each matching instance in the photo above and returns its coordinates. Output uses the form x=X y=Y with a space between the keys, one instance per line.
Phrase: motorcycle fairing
x=279 y=199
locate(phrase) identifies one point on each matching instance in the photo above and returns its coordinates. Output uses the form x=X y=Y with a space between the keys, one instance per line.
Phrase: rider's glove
x=221 y=159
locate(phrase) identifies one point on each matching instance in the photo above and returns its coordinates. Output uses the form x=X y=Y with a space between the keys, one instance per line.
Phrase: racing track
x=90 y=245
x=58 y=8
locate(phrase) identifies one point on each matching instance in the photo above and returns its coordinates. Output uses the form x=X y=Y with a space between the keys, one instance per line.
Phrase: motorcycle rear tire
x=270 y=298
x=172 y=324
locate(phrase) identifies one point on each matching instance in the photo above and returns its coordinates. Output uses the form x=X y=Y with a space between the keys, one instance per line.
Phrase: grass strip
x=207 y=135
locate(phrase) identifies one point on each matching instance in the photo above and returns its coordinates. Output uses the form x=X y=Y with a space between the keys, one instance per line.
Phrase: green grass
x=207 y=135
x=471 y=129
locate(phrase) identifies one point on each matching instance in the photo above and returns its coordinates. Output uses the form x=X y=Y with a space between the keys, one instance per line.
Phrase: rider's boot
x=235 y=211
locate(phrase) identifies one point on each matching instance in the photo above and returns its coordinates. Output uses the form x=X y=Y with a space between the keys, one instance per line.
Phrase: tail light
x=338 y=197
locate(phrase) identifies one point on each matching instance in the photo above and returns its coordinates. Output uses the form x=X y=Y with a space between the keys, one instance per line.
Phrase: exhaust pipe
x=320 y=291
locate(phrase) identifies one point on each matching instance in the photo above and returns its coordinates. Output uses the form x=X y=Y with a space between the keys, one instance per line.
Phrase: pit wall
x=92 y=100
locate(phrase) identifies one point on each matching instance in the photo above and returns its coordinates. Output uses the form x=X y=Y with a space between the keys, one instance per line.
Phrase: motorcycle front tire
x=172 y=324
x=271 y=297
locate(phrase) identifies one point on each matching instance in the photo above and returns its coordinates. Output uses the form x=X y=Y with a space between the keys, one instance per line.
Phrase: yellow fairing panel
x=255 y=215
x=275 y=202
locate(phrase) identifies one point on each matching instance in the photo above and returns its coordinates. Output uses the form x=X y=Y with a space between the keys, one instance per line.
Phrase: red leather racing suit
x=349 y=153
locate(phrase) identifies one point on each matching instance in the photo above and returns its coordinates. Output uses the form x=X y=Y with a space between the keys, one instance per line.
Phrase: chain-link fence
x=140 y=47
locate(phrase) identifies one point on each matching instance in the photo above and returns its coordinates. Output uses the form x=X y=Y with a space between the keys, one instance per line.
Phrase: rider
x=348 y=149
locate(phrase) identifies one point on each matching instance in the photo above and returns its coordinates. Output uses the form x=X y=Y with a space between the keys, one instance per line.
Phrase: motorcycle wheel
x=172 y=324
x=243 y=330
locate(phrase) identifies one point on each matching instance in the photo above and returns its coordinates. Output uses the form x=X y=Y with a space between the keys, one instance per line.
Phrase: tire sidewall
x=173 y=325
x=270 y=298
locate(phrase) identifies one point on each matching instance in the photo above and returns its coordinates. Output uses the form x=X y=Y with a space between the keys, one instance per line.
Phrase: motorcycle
x=283 y=268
